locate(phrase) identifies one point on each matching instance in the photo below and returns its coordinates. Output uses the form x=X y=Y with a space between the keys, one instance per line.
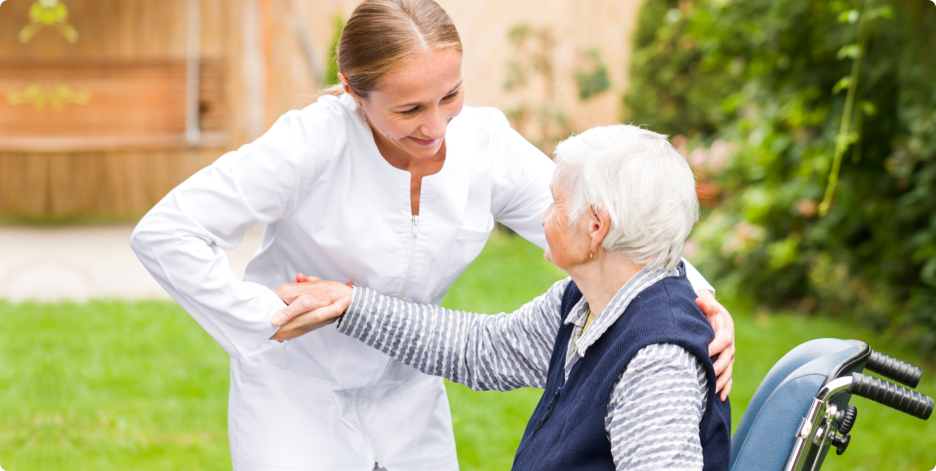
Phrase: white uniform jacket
x=335 y=208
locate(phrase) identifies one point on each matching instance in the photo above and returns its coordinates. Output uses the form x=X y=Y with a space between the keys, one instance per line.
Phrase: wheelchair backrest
x=766 y=432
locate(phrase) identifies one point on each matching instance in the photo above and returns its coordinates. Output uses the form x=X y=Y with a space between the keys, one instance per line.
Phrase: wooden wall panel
x=120 y=32
x=93 y=184
x=87 y=106
x=126 y=30
x=99 y=99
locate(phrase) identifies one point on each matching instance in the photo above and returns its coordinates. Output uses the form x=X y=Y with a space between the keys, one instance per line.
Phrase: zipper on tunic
x=406 y=282
x=357 y=406
x=412 y=260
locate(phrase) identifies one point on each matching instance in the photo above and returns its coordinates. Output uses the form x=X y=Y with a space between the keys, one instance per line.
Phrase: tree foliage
x=331 y=69
x=787 y=83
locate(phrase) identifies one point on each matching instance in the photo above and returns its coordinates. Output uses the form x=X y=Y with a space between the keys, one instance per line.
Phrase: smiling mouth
x=423 y=142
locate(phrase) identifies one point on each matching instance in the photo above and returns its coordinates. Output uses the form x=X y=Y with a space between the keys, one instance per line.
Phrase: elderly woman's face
x=414 y=104
x=568 y=246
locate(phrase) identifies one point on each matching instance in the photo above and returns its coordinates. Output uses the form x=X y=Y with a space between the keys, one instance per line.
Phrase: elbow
x=139 y=240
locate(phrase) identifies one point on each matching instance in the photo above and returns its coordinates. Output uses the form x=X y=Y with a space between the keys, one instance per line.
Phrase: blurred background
x=811 y=126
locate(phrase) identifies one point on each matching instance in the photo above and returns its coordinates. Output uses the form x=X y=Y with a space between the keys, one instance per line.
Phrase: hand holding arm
x=312 y=304
x=724 y=342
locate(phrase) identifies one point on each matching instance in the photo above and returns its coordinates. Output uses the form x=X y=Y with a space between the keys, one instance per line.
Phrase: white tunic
x=335 y=208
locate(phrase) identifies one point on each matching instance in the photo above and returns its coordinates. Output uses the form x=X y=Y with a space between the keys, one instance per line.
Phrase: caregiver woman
x=392 y=185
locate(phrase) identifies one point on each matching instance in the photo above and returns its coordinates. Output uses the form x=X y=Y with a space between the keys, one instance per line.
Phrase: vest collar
x=605 y=319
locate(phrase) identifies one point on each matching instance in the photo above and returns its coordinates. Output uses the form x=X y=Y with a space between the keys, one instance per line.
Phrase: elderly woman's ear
x=599 y=223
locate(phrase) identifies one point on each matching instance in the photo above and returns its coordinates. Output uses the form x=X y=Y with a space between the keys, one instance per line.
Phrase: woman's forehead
x=428 y=77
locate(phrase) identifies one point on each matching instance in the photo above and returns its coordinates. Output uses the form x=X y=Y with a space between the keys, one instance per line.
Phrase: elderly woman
x=620 y=346
x=387 y=181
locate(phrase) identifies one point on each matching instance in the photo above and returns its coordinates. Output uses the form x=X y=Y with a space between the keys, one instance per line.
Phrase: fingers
x=309 y=304
x=724 y=367
x=723 y=380
x=282 y=316
x=301 y=305
x=724 y=393
x=724 y=338
x=331 y=312
x=722 y=324
x=723 y=344
x=709 y=307
x=296 y=308
x=725 y=359
x=312 y=320
x=300 y=278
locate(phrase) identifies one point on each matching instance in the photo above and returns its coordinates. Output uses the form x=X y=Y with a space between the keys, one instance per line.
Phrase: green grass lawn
x=139 y=386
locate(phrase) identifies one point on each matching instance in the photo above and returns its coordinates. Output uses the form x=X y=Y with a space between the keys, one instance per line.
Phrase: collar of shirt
x=603 y=320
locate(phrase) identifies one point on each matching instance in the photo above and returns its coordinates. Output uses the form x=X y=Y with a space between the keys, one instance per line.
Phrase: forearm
x=197 y=275
x=181 y=240
x=498 y=352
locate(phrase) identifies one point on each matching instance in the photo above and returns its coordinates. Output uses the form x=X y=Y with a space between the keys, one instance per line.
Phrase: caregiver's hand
x=723 y=343
x=312 y=303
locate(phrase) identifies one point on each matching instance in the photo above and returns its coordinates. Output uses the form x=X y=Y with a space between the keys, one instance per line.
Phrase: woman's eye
x=410 y=111
x=450 y=97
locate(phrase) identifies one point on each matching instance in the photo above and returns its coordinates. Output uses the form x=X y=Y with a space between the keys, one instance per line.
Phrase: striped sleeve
x=655 y=410
x=484 y=352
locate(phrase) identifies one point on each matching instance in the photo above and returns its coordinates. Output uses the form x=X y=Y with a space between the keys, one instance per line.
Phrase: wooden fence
x=95 y=123
x=256 y=59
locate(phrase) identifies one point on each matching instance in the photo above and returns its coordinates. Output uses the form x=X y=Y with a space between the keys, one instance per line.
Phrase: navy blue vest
x=567 y=429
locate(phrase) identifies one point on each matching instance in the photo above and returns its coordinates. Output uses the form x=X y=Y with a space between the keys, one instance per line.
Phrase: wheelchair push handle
x=892 y=368
x=893 y=396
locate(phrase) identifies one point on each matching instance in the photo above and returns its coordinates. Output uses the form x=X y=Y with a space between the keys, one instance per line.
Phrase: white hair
x=641 y=180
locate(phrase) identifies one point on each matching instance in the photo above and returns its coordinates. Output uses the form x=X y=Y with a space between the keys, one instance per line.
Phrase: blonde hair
x=382 y=35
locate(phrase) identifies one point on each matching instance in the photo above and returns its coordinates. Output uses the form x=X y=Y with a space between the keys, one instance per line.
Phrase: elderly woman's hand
x=312 y=304
x=723 y=344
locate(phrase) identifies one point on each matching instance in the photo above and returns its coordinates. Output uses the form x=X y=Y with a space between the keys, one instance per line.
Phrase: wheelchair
x=801 y=408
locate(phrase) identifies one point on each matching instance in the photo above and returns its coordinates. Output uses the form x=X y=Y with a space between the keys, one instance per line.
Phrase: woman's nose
x=435 y=124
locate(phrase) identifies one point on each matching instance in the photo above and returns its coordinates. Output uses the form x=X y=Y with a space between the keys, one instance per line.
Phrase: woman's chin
x=420 y=151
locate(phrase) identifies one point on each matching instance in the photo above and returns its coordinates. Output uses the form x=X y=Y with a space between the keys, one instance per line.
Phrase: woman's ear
x=347 y=88
x=599 y=223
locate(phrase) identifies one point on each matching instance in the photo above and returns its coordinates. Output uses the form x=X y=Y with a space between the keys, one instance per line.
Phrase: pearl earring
x=361 y=109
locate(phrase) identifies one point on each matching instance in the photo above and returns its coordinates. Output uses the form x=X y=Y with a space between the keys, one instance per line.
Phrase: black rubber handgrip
x=898 y=397
x=897 y=370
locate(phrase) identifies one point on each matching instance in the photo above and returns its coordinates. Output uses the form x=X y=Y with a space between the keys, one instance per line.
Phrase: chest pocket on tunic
x=469 y=241
x=468 y=235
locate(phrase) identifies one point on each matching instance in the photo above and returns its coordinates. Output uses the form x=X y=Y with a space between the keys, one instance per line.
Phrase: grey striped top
x=653 y=413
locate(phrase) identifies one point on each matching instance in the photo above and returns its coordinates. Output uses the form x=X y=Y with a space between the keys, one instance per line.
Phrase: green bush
x=770 y=92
